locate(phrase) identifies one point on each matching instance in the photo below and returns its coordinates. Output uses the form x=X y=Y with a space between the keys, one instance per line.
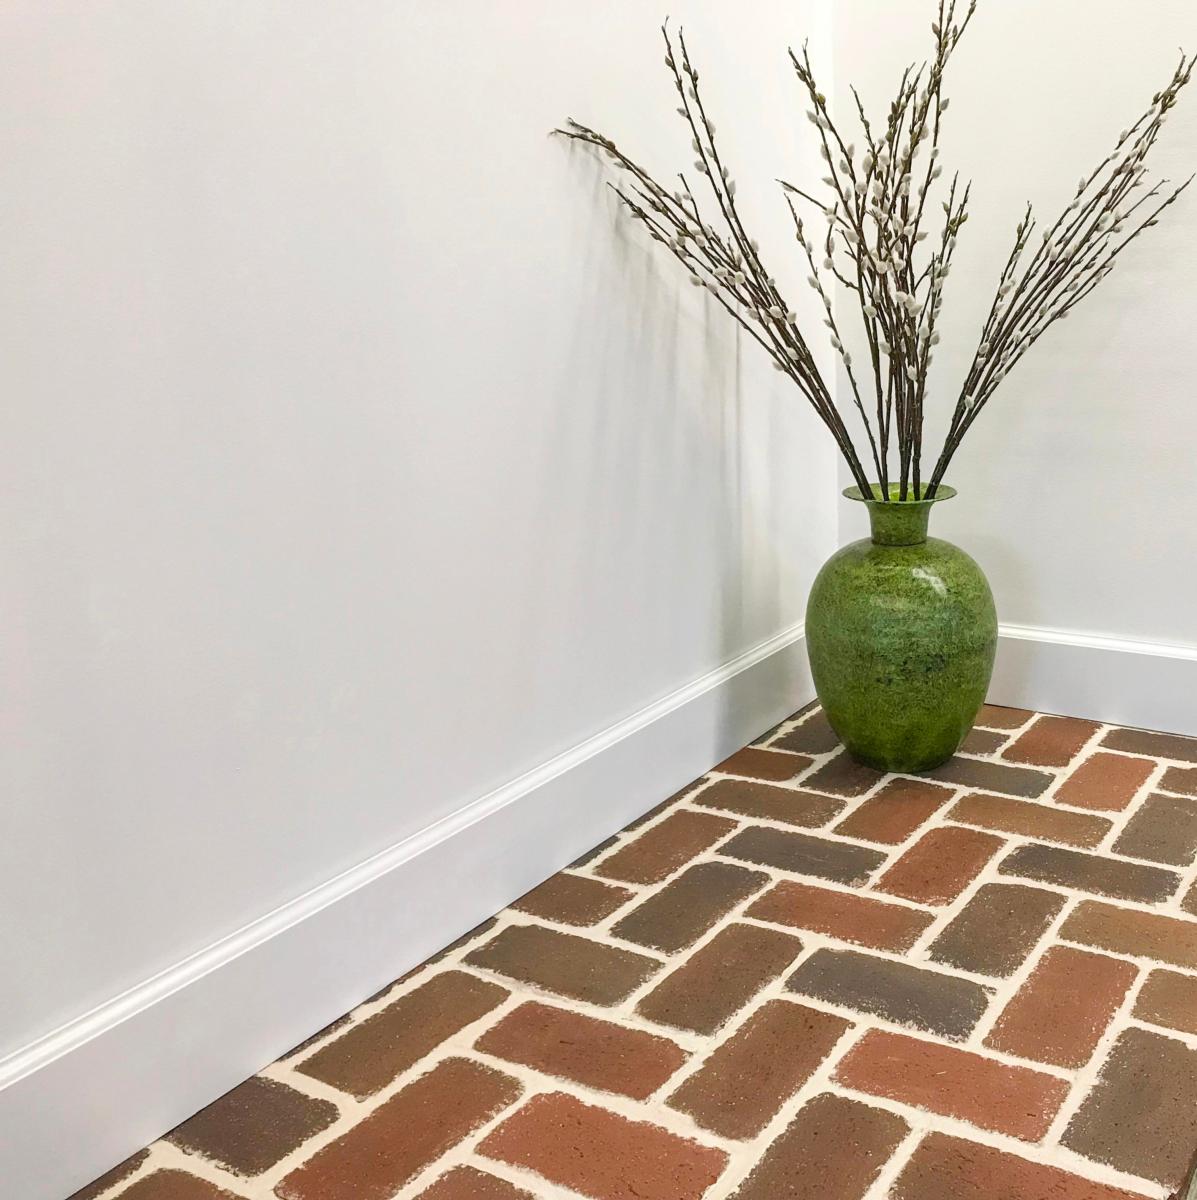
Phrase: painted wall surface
x=356 y=458
x=1077 y=485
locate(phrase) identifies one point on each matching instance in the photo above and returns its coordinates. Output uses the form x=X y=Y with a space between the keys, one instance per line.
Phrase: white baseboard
x=94 y=1091
x=1151 y=685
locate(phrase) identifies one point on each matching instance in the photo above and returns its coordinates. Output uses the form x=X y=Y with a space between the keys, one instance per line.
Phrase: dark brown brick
x=254 y=1126
x=1030 y=819
x=997 y=929
x=687 y=907
x=1163 y=829
x=603 y=1155
x=843 y=776
x=1016 y=1101
x=851 y=918
x=1105 y=782
x=832 y=1150
x=1091 y=873
x=1169 y=999
x=1141 y=1116
x=745 y=1081
x=1182 y=780
x=175 y=1185
x=895 y=811
x=564 y=963
x=751 y=799
x=1059 y=1015
x=940 y=865
x=464 y=1183
x=774 y=765
x=993 y=777
x=994 y=716
x=813 y=736
x=573 y=899
x=803 y=854
x=1126 y=931
x=111 y=1178
x=901 y=993
x=373 y=1053
x=983 y=741
x=599 y=1054
x=719 y=979
x=950 y=1168
x=668 y=845
x=1050 y=741
x=1155 y=745
x=403 y=1135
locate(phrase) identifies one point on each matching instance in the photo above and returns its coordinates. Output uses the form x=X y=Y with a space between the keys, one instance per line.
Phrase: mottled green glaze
x=901 y=632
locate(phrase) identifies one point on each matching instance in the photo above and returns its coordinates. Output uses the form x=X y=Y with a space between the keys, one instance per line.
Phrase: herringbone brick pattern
x=798 y=979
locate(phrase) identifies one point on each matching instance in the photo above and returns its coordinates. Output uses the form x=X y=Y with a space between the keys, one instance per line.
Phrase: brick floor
x=795 y=979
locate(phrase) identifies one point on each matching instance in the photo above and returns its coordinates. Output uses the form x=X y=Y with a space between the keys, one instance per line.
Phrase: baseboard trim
x=97 y=1089
x=1151 y=685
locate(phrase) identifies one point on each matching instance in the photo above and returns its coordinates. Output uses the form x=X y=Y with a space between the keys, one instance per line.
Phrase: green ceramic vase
x=901 y=632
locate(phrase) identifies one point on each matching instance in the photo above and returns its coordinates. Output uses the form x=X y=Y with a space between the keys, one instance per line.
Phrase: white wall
x=1077 y=485
x=356 y=458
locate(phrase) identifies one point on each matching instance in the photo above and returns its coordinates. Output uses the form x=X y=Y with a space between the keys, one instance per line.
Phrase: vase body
x=901 y=631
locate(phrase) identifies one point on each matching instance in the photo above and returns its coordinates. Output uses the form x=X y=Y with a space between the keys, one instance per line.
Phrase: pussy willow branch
x=877 y=215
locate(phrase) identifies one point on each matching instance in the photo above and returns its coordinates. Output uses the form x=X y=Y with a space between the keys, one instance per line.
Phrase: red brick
x=1105 y=782
x=994 y=716
x=996 y=930
x=665 y=847
x=1157 y=745
x=720 y=978
x=1016 y=1101
x=774 y=765
x=813 y=736
x=111 y=1178
x=895 y=811
x=573 y=899
x=940 y=865
x=1050 y=741
x=1061 y=1012
x=596 y=1053
x=843 y=776
x=376 y=1051
x=766 y=801
x=1182 y=780
x=175 y=1185
x=601 y=1154
x=1139 y=934
x=1030 y=819
x=1163 y=829
x=464 y=1183
x=1169 y=999
x=950 y=1168
x=403 y=1135
x=843 y=915
x=745 y=1081
x=833 y=1150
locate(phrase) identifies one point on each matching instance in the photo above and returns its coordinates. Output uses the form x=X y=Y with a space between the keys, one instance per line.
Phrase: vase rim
x=942 y=492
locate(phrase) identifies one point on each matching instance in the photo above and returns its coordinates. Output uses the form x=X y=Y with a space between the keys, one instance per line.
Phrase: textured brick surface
x=750 y=1076
x=995 y=716
x=1127 y=931
x=993 y=777
x=720 y=978
x=984 y=741
x=1050 y=741
x=1091 y=873
x=843 y=915
x=403 y=1135
x=804 y=854
x=940 y=865
x=465 y=1183
x=997 y=929
x=372 y=1054
x=688 y=906
x=1182 y=780
x=895 y=811
x=1168 y=998
x=663 y=848
x=897 y=991
x=1164 y=830
x=1016 y=1101
x=564 y=963
x=833 y=1150
x=749 y=798
x=254 y=1126
x=1060 y=1014
x=1030 y=819
x=1105 y=782
x=573 y=900
x=813 y=736
x=1156 y=745
x=1141 y=1116
x=601 y=1154
x=175 y=1185
x=843 y=776
x=754 y=763
x=599 y=1054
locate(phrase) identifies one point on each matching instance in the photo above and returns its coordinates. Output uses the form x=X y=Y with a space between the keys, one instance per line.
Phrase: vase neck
x=894 y=523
